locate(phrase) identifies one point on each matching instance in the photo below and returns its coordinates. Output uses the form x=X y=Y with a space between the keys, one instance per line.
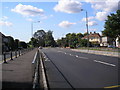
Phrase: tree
x=39 y=34
x=112 y=26
x=23 y=44
x=16 y=43
x=39 y=37
x=85 y=34
x=10 y=43
x=49 y=40
x=83 y=43
x=34 y=42
x=79 y=35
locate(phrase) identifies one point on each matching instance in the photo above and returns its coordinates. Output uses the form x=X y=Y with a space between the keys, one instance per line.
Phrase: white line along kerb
x=105 y=63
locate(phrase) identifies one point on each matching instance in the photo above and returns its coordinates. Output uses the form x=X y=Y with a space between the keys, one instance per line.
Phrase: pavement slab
x=17 y=74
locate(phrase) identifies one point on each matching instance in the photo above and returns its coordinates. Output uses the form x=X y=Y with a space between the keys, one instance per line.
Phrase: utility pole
x=87 y=28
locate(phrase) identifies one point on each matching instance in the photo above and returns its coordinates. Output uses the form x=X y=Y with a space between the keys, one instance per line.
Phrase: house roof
x=92 y=35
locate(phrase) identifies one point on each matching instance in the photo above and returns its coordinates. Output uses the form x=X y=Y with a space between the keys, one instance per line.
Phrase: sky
x=61 y=17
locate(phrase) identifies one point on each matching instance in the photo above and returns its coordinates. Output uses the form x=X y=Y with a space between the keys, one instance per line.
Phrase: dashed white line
x=104 y=63
x=83 y=57
x=77 y=56
x=73 y=55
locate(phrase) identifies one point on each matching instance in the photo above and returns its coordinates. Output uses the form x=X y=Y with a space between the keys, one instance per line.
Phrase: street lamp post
x=87 y=28
x=32 y=28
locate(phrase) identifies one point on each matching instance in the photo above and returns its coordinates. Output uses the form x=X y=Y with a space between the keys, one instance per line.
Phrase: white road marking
x=104 y=63
x=83 y=57
x=47 y=59
x=73 y=55
x=77 y=56
x=59 y=51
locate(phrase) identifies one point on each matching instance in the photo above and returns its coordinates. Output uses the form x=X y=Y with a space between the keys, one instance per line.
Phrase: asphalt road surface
x=83 y=70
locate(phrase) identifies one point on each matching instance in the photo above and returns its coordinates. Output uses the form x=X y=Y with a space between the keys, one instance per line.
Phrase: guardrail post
x=11 y=55
x=16 y=53
x=4 y=57
x=19 y=52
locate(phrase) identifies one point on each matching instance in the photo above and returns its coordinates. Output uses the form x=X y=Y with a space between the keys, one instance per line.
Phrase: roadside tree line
x=111 y=29
x=73 y=40
x=11 y=44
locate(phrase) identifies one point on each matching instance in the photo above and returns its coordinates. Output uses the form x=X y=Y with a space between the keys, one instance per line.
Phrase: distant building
x=3 y=42
x=94 y=38
x=117 y=42
x=105 y=41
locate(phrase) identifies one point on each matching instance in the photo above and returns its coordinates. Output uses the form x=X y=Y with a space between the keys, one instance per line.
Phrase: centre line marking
x=104 y=63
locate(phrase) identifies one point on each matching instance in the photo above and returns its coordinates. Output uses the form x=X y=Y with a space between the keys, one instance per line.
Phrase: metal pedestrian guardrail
x=38 y=72
x=13 y=54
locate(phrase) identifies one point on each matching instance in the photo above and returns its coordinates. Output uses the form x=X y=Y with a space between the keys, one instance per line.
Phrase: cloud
x=5 y=23
x=107 y=6
x=29 y=19
x=89 y=18
x=101 y=16
x=68 y=6
x=66 y=24
x=4 y=18
x=92 y=23
x=103 y=7
x=90 y=30
x=27 y=10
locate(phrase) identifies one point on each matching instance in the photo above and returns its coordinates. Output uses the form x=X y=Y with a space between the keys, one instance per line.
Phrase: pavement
x=74 y=70
x=17 y=73
x=106 y=53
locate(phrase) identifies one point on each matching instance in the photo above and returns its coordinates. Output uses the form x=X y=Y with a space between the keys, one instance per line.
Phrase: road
x=82 y=70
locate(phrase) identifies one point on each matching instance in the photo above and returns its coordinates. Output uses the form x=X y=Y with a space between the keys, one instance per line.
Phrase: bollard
x=11 y=55
x=16 y=53
x=19 y=52
x=4 y=57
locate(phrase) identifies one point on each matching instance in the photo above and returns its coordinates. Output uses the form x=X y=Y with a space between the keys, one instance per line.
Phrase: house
x=94 y=38
x=117 y=42
x=0 y=43
x=105 y=41
x=3 y=42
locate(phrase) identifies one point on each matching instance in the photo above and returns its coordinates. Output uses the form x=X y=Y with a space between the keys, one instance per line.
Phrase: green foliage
x=112 y=26
x=85 y=34
x=23 y=44
x=16 y=43
x=34 y=42
x=42 y=38
x=49 y=40
x=72 y=40
x=10 y=43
